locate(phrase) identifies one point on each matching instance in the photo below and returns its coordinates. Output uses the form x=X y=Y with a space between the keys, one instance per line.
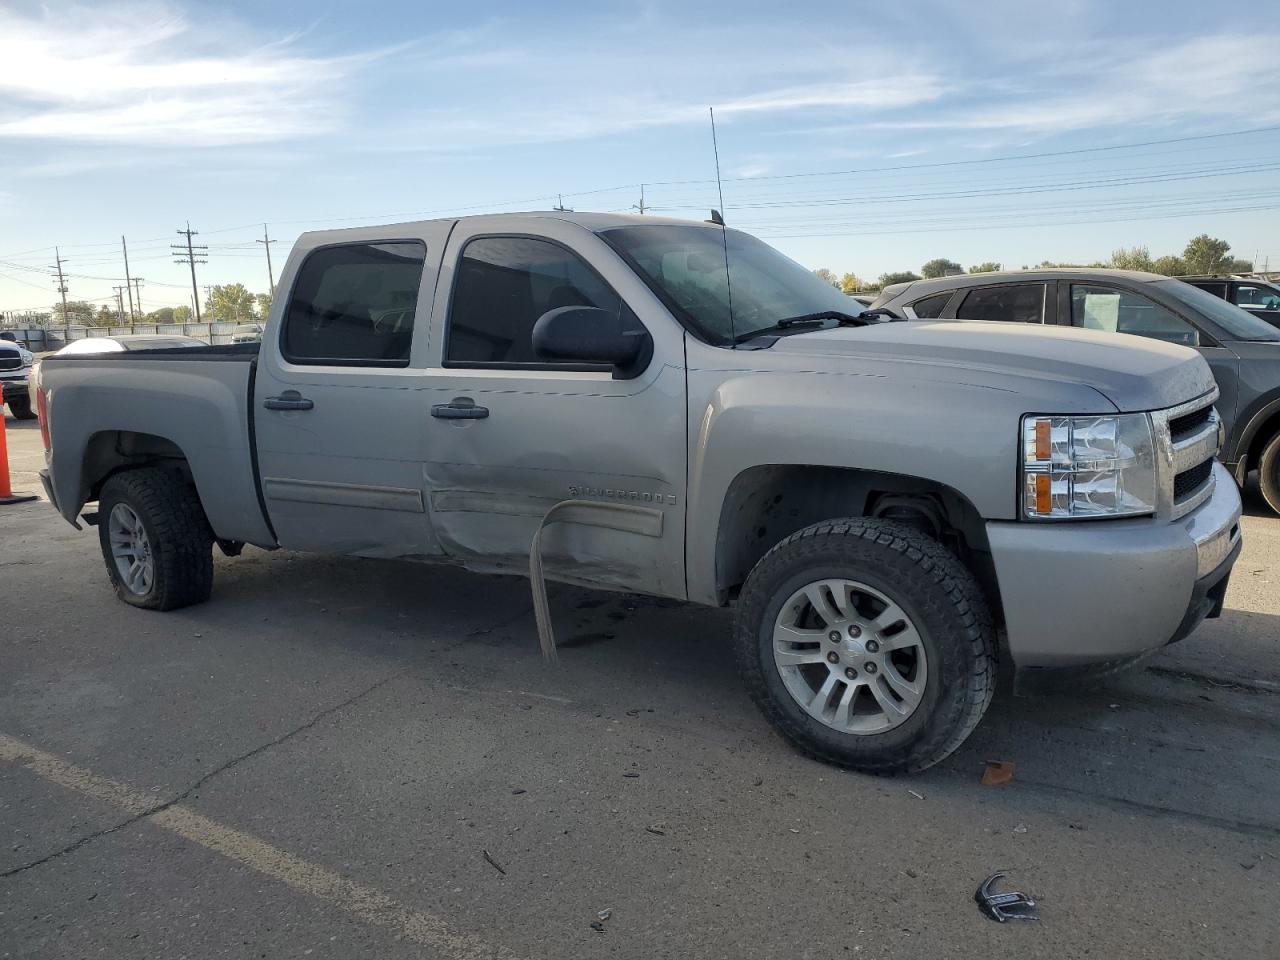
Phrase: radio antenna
x=717 y=216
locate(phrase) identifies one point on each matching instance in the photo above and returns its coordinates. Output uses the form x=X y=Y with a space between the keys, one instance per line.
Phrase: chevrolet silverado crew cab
x=596 y=399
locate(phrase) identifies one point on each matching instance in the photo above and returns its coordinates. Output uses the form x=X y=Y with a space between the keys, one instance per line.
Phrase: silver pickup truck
x=891 y=507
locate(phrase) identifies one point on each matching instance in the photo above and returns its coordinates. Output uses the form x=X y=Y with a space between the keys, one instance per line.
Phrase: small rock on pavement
x=1020 y=828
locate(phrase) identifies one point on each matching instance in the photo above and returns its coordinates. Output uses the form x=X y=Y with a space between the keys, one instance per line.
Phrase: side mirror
x=593 y=335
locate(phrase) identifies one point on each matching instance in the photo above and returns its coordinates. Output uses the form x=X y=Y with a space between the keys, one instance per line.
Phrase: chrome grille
x=1186 y=443
x=10 y=361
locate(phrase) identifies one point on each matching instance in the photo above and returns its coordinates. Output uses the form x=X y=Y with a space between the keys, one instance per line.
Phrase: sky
x=863 y=137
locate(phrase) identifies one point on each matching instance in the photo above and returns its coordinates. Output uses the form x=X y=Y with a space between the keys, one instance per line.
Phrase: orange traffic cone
x=6 y=492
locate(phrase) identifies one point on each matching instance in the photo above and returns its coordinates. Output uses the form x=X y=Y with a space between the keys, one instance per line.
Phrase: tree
x=263 y=301
x=230 y=302
x=1170 y=266
x=940 y=267
x=826 y=275
x=902 y=276
x=1206 y=254
x=163 y=315
x=989 y=267
x=78 y=311
x=181 y=314
x=1131 y=258
x=105 y=317
x=850 y=284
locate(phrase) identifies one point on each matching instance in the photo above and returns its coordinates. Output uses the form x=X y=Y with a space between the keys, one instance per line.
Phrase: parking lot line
x=365 y=903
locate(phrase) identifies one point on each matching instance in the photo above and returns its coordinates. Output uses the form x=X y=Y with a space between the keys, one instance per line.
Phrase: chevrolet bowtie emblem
x=1001 y=907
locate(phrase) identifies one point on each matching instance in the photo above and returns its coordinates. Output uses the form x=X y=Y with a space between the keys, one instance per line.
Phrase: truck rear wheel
x=155 y=539
x=867 y=645
x=1269 y=473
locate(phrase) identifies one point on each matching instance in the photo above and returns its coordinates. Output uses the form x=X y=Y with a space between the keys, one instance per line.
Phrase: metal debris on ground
x=997 y=772
x=1003 y=907
x=656 y=828
x=494 y=863
x=604 y=915
x=918 y=796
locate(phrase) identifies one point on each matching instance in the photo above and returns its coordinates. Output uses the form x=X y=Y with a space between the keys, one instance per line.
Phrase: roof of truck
x=590 y=221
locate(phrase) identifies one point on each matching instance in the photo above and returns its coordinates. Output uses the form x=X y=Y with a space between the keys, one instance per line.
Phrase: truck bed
x=191 y=404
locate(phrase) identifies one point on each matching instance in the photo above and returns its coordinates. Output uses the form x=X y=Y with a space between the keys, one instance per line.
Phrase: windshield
x=1237 y=324
x=684 y=266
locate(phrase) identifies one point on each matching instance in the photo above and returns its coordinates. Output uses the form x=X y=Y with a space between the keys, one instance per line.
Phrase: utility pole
x=194 y=254
x=62 y=283
x=120 y=303
x=137 y=287
x=266 y=242
x=560 y=205
x=128 y=284
x=640 y=206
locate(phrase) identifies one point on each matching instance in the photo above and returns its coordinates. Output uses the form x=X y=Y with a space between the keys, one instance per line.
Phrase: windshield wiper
x=844 y=319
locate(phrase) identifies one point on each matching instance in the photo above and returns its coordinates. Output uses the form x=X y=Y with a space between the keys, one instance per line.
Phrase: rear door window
x=354 y=305
x=930 y=308
x=1120 y=311
x=1010 y=302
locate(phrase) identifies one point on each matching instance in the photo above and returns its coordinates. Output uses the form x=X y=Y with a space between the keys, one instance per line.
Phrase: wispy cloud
x=145 y=74
x=1111 y=83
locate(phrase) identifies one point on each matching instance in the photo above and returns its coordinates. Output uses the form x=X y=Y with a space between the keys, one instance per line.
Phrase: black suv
x=1259 y=297
x=1242 y=348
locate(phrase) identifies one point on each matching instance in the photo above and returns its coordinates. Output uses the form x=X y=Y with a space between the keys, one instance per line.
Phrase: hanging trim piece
x=625 y=517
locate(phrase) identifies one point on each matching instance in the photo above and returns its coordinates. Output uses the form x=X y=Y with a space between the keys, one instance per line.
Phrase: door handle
x=289 y=400
x=462 y=408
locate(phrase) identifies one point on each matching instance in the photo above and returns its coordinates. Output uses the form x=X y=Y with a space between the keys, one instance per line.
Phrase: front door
x=513 y=436
x=339 y=406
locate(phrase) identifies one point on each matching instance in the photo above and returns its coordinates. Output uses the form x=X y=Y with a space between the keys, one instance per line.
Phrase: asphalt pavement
x=343 y=758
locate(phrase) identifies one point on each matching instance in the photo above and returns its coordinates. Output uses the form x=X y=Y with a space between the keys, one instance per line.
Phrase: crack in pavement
x=249 y=755
x=216 y=771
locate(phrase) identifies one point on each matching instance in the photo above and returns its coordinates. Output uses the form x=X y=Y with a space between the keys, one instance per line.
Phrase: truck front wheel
x=155 y=539
x=21 y=408
x=867 y=644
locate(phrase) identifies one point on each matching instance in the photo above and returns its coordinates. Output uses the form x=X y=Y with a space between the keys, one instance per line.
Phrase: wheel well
x=766 y=504
x=109 y=452
x=1270 y=427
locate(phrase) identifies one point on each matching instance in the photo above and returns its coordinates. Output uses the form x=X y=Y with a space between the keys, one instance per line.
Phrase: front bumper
x=1091 y=591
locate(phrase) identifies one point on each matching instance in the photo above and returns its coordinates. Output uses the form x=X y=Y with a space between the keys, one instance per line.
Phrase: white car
x=247 y=333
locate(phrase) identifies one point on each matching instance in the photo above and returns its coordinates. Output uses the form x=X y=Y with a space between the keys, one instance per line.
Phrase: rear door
x=513 y=435
x=1026 y=302
x=340 y=409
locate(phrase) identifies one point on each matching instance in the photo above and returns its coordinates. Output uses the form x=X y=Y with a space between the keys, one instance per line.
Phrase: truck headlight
x=1088 y=467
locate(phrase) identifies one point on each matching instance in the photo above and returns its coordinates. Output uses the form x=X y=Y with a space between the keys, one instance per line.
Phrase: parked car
x=1242 y=349
x=876 y=500
x=1259 y=297
x=136 y=341
x=864 y=299
x=247 y=333
x=15 y=369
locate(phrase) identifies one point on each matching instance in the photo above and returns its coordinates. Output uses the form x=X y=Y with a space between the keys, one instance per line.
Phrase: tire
x=21 y=409
x=177 y=540
x=946 y=621
x=1269 y=473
